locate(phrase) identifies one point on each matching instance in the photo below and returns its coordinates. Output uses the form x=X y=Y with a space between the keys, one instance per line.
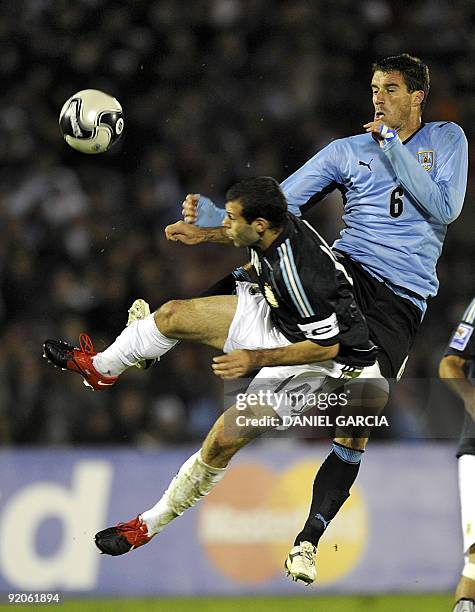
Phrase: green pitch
x=383 y=603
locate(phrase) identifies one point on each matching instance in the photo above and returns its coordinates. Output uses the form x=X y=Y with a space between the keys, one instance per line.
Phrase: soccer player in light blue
x=403 y=181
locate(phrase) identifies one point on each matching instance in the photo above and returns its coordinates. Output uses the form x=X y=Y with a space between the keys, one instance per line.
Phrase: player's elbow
x=333 y=350
x=444 y=367
x=450 y=206
x=449 y=215
x=451 y=366
x=446 y=213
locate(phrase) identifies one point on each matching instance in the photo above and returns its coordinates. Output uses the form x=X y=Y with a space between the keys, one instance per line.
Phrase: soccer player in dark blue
x=457 y=370
x=403 y=181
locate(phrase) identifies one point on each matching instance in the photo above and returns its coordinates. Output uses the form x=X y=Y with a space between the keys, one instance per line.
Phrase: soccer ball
x=91 y=121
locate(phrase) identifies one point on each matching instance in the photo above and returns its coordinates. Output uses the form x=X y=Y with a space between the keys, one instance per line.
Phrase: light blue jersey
x=399 y=199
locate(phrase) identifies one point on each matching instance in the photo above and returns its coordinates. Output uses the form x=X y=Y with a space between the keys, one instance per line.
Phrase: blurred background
x=212 y=91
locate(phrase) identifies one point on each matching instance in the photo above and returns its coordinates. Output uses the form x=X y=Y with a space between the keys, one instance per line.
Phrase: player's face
x=242 y=233
x=391 y=99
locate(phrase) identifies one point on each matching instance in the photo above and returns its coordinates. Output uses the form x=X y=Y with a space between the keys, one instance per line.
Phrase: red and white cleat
x=68 y=357
x=123 y=538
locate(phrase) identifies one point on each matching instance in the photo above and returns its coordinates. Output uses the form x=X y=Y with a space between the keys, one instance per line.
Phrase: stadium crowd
x=213 y=91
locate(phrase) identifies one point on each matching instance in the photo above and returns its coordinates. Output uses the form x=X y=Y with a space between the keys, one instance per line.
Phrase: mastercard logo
x=248 y=523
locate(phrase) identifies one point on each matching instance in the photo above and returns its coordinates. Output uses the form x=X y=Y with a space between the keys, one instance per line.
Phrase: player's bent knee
x=355 y=443
x=167 y=317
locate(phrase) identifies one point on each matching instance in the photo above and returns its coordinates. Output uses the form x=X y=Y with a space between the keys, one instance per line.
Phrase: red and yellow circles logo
x=247 y=525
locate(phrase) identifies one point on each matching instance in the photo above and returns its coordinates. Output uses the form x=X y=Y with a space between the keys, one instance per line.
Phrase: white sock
x=140 y=340
x=194 y=480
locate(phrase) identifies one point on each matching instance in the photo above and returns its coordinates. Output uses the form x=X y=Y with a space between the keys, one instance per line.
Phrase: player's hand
x=184 y=232
x=234 y=364
x=189 y=207
x=374 y=128
x=379 y=131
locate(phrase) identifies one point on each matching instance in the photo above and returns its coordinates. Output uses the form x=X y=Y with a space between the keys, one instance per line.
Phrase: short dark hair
x=260 y=196
x=414 y=72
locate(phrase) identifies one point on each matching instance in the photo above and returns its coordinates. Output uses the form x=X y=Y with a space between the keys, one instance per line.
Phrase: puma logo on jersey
x=368 y=165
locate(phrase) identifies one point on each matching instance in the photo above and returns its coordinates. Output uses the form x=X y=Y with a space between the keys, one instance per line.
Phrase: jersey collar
x=412 y=135
x=284 y=234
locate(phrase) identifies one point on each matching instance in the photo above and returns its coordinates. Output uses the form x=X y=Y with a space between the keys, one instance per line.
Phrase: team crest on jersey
x=461 y=337
x=426 y=159
x=270 y=296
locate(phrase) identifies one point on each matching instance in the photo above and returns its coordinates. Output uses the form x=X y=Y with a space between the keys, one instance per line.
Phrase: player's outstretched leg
x=81 y=359
x=195 y=479
x=204 y=320
x=336 y=476
x=139 y=342
x=78 y=359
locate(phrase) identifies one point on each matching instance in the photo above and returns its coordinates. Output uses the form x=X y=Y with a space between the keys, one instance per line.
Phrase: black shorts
x=392 y=320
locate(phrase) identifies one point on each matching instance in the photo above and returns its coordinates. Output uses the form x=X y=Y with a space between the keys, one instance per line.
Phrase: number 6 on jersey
x=396 y=203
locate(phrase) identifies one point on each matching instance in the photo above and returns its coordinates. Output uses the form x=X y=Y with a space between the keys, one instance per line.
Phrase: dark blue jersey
x=310 y=293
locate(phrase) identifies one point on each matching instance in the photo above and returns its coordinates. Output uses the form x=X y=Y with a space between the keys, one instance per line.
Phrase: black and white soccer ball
x=91 y=121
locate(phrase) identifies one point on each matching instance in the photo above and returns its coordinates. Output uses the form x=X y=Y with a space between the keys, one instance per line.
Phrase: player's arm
x=314 y=180
x=440 y=194
x=307 y=186
x=202 y=222
x=189 y=233
x=242 y=361
x=460 y=350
